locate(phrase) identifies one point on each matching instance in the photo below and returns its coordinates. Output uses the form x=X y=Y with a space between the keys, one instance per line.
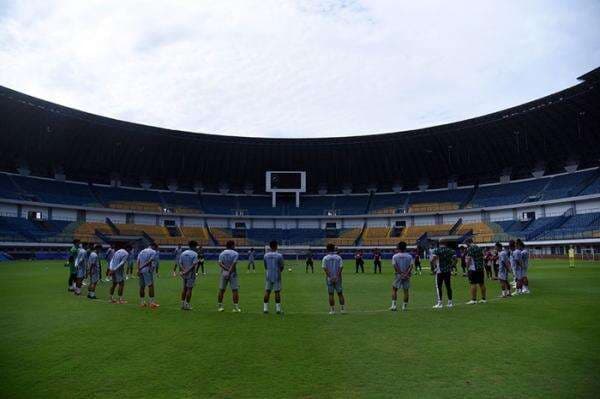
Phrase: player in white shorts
x=525 y=267
x=188 y=261
x=117 y=273
x=94 y=271
x=228 y=263
x=332 y=266
x=273 y=261
x=145 y=272
x=80 y=267
x=178 y=252
x=516 y=263
x=109 y=255
x=503 y=269
x=403 y=264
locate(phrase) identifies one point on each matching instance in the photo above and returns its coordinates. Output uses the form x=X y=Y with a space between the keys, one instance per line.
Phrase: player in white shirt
x=188 y=261
x=332 y=266
x=503 y=269
x=145 y=270
x=94 y=270
x=117 y=273
x=525 y=267
x=403 y=264
x=109 y=255
x=228 y=264
x=81 y=268
x=516 y=263
x=178 y=252
x=273 y=261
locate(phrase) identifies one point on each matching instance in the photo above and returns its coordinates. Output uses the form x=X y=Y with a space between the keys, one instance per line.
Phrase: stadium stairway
x=97 y=196
x=553 y=224
x=581 y=187
x=362 y=231
x=18 y=188
x=211 y=236
x=367 y=210
x=113 y=227
x=469 y=198
x=455 y=227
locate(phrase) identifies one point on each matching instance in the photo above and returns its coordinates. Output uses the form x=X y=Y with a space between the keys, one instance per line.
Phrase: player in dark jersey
x=359 y=261
x=463 y=262
x=417 y=259
x=376 y=261
x=495 y=262
x=488 y=263
x=475 y=263
x=309 y=262
x=443 y=259
x=200 y=265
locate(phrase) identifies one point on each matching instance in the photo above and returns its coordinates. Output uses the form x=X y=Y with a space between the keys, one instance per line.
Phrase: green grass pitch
x=543 y=345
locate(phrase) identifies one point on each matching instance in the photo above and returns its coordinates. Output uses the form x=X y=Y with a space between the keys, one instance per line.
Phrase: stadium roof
x=552 y=131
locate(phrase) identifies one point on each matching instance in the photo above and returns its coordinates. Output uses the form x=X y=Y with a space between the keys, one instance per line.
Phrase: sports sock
x=142 y=301
x=151 y=299
x=265 y=307
x=278 y=307
x=404 y=305
x=220 y=305
x=236 y=306
x=393 y=303
x=341 y=307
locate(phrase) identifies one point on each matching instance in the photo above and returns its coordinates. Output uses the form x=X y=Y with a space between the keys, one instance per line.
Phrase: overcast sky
x=303 y=68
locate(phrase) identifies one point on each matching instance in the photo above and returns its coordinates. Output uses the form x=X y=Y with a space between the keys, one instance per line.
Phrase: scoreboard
x=285 y=182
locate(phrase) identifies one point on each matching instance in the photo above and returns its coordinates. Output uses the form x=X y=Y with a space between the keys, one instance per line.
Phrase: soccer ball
x=289 y=269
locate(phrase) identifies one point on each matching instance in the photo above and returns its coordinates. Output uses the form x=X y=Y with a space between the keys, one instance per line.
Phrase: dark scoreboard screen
x=286 y=181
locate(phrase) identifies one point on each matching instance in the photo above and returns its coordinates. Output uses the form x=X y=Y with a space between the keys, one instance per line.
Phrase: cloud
x=295 y=68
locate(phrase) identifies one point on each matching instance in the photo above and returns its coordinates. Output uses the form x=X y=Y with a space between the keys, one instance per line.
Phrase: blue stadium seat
x=562 y=186
x=506 y=194
x=7 y=189
x=56 y=192
x=181 y=200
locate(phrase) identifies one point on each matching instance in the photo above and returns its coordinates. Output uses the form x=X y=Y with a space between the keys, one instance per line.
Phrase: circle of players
x=477 y=264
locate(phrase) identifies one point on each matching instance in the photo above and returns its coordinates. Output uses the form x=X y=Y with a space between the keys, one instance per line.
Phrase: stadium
x=470 y=255
x=533 y=175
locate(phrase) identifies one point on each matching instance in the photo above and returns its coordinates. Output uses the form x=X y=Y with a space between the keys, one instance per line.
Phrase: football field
x=54 y=344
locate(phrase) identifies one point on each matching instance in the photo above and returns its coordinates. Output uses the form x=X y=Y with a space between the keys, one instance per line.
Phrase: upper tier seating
x=563 y=186
x=388 y=203
x=17 y=187
x=121 y=198
x=220 y=204
x=312 y=205
x=435 y=201
x=7 y=188
x=592 y=188
x=181 y=203
x=506 y=194
x=258 y=205
x=54 y=191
